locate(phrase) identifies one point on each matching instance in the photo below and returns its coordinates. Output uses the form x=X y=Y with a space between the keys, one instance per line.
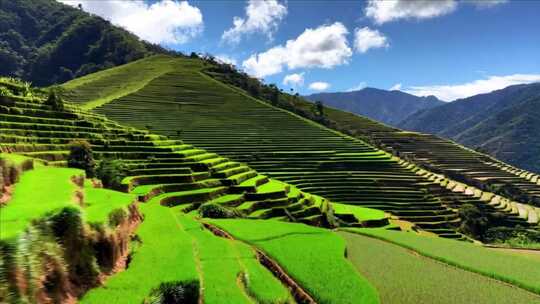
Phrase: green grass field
x=134 y=76
x=38 y=192
x=401 y=276
x=164 y=255
x=520 y=271
x=314 y=257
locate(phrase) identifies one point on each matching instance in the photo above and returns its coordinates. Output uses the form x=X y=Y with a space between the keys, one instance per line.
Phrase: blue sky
x=448 y=48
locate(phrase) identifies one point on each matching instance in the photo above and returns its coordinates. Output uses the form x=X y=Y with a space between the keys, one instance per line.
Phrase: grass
x=176 y=248
x=361 y=213
x=134 y=76
x=225 y=263
x=38 y=192
x=520 y=271
x=165 y=255
x=99 y=203
x=312 y=256
x=15 y=159
x=401 y=276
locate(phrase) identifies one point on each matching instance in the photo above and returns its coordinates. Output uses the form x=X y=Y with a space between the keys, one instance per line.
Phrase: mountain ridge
x=500 y=123
x=389 y=107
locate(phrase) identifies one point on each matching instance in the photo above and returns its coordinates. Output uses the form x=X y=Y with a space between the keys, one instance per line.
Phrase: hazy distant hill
x=505 y=123
x=389 y=107
x=44 y=41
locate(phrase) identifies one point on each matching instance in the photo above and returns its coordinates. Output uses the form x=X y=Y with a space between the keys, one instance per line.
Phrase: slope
x=46 y=42
x=188 y=104
x=171 y=177
x=389 y=107
x=498 y=123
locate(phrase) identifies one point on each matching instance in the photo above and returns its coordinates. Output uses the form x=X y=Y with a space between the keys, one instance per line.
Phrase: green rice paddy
x=401 y=276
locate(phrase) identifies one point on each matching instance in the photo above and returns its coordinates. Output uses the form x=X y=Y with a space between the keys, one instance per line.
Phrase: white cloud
x=358 y=87
x=366 y=38
x=262 y=16
x=166 y=21
x=293 y=80
x=324 y=47
x=492 y=83
x=319 y=86
x=396 y=87
x=485 y=3
x=390 y=10
x=226 y=59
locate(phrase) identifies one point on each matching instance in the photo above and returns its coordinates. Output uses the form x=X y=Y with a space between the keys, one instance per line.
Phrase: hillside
x=185 y=103
x=389 y=107
x=162 y=236
x=502 y=123
x=47 y=42
x=166 y=233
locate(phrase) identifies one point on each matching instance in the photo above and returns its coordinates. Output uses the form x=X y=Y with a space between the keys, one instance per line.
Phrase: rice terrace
x=170 y=151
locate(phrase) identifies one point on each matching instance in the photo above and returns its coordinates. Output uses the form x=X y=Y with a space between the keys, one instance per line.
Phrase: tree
x=473 y=222
x=320 y=108
x=111 y=172
x=81 y=156
x=274 y=94
x=54 y=100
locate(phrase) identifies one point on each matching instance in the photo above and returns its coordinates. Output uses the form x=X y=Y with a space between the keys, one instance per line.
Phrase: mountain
x=389 y=107
x=504 y=123
x=46 y=42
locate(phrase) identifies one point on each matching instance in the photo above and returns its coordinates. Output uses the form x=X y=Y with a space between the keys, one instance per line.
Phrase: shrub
x=117 y=217
x=217 y=211
x=54 y=100
x=81 y=157
x=111 y=172
x=320 y=108
x=473 y=222
x=174 y=293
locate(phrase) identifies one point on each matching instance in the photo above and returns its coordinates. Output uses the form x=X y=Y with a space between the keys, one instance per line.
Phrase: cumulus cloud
x=166 y=21
x=492 y=83
x=366 y=38
x=319 y=86
x=262 y=16
x=358 y=87
x=390 y=10
x=396 y=87
x=324 y=47
x=226 y=59
x=293 y=80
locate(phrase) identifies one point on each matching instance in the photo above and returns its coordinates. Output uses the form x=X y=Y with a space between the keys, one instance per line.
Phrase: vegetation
x=54 y=100
x=111 y=172
x=404 y=277
x=467 y=256
x=312 y=256
x=501 y=123
x=47 y=42
x=155 y=260
x=38 y=192
x=82 y=157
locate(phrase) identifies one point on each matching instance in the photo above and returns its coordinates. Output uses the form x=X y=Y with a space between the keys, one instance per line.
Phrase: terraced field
x=440 y=155
x=187 y=104
x=411 y=278
x=172 y=178
x=176 y=172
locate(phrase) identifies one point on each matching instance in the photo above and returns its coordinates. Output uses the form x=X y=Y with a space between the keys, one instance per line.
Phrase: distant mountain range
x=389 y=107
x=504 y=123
